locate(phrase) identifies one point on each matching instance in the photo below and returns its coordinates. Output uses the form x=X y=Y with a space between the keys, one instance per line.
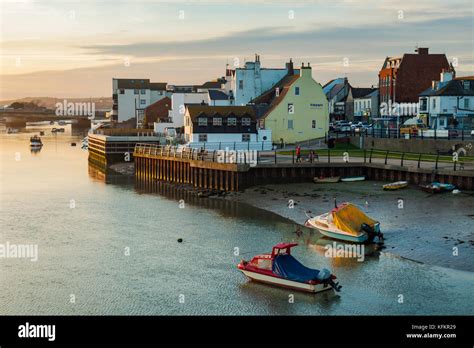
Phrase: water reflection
x=35 y=149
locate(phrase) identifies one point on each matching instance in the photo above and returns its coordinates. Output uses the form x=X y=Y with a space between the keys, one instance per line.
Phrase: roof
x=217 y=95
x=222 y=111
x=140 y=84
x=212 y=84
x=451 y=88
x=361 y=92
x=269 y=97
x=158 y=110
x=158 y=86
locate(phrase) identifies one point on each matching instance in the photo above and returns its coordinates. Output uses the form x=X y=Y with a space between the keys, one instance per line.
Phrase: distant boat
x=395 y=185
x=41 y=132
x=85 y=143
x=12 y=130
x=327 y=179
x=346 y=222
x=281 y=269
x=353 y=178
x=62 y=123
x=35 y=141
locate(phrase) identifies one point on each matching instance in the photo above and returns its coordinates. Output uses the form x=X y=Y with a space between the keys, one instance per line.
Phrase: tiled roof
x=158 y=110
x=223 y=111
x=361 y=92
x=217 y=95
x=452 y=88
x=158 y=86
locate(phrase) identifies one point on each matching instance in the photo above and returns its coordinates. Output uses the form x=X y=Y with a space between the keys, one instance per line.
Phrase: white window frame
x=245 y=137
x=202 y=138
x=217 y=121
x=246 y=121
x=202 y=121
x=313 y=124
x=232 y=121
x=290 y=122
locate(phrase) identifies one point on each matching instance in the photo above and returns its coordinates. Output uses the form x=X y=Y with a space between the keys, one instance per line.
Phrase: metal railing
x=394 y=133
x=319 y=156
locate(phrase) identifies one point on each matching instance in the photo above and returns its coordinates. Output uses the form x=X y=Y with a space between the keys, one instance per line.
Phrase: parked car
x=343 y=127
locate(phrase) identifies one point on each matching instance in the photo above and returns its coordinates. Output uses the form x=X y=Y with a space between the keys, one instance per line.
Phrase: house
x=296 y=109
x=132 y=96
x=247 y=83
x=336 y=92
x=157 y=112
x=449 y=102
x=218 y=127
x=219 y=98
x=363 y=104
x=402 y=79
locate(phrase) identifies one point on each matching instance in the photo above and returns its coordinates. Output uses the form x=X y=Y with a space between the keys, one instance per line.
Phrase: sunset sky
x=73 y=48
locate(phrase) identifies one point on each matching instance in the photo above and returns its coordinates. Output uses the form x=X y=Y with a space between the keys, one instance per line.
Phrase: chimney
x=422 y=50
x=289 y=68
x=305 y=70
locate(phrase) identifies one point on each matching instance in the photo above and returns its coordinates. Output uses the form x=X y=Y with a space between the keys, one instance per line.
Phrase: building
x=296 y=109
x=363 y=104
x=219 y=98
x=336 y=92
x=247 y=83
x=402 y=79
x=157 y=112
x=448 y=103
x=132 y=96
x=224 y=126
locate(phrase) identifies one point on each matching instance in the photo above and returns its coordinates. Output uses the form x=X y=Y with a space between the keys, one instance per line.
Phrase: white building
x=247 y=83
x=449 y=103
x=132 y=96
x=366 y=105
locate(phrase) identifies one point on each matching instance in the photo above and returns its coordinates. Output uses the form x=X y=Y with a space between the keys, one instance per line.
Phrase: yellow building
x=296 y=109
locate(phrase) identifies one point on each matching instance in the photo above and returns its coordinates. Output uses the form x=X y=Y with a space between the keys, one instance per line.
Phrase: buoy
x=180 y=240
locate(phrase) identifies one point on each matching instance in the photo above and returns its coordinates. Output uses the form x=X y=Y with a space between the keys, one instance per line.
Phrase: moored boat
x=281 y=269
x=395 y=185
x=326 y=179
x=437 y=187
x=353 y=178
x=35 y=141
x=348 y=223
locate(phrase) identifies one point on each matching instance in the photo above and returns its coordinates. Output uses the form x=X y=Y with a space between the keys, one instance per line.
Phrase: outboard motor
x=371 y=232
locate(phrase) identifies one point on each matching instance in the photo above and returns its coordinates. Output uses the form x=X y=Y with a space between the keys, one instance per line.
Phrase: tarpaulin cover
x=348 y=218
x=288 y=267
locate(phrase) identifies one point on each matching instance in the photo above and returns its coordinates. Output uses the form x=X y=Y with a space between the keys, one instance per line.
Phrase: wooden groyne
x=212 y=171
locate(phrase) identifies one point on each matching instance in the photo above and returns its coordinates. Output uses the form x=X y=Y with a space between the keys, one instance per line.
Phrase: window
x=434 y=103
x=297 y=91
x=202 y=121
x=231 y=121
x=290 y=124
x=135 y=91
x=143 y=101
x=142 y=91
x=202 y=138
x=217 y=121
x=291 y=108
x=241 y=84
x=313 y=124
x=466 y=103
x=245 y=121
x=245 y=137
x=466 y=84
x=424 y=104
x=121 y=91
x=187 y=121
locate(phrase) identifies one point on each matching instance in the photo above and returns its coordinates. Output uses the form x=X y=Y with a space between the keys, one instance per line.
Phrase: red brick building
x=157 y=112
x=402 y=79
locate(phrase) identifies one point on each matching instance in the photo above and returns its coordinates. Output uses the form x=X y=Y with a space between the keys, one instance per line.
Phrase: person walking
x=298 y=154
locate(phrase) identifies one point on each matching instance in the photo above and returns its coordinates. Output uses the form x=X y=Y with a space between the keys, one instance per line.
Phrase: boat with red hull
x=281 y=269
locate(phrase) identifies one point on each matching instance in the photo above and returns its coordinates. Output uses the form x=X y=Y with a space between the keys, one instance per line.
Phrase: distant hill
x=49 y=102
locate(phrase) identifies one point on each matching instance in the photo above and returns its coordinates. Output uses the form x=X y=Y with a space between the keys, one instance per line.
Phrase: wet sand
x=436 y=229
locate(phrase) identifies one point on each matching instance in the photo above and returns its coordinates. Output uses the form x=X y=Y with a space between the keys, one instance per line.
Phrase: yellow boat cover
x=347 y=217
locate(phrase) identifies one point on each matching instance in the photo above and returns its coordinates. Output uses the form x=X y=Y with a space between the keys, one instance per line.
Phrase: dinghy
x=437 y=187
x=35 y=141
x=327 y=179
x=348 y=223
x=281 y=269
x=395 y=185
x=353 y=178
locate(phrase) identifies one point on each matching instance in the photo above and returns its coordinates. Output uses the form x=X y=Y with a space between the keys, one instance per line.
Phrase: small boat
x=12 y=130
x=437 y=187
x=41 y=132
x=353 y=178
x=327 y=179
x=280 y=268
x=61 y=130
x=35 y=141
x=85 y=143
x=395 y=185
x=73 y=144
x=348 y=223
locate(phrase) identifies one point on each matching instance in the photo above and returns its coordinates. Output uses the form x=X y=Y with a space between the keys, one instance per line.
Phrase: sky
x=72 y=48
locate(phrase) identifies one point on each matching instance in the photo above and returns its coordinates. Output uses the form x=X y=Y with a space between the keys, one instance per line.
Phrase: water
x=83 y=267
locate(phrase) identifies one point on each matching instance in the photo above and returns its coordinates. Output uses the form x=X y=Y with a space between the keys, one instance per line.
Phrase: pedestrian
x=298 y=154
x=311 y=156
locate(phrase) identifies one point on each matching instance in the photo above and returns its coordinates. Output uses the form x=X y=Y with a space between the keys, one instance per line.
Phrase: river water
x=108 y=245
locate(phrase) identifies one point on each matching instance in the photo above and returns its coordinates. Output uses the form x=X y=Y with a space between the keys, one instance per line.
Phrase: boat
x=437 y=187
x=395 y=185
x=41 y=132
x=35 y=141
x=12 y=130
x=353 y=178
x=327 y=179
x=348 y=223
x=281 y=269
x=85 y=143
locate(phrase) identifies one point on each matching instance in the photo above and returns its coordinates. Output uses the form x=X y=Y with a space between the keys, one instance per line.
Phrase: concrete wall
x=430 y=146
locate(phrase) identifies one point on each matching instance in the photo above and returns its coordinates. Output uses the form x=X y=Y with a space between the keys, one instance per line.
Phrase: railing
x=319 y=156
x=124 y=132
x=448 y=134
